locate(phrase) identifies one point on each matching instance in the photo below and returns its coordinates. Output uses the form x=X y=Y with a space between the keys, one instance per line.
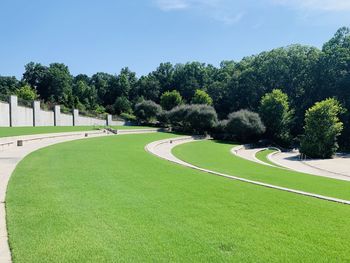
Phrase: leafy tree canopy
x=201 y=97
x=26 y=92
x=276 y=115
x=244 y=125
x=170 y=99
x=147 y=111
x=322 y=127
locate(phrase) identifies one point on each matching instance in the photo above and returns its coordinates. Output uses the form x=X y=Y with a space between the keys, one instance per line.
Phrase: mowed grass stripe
x=216 y=156
x=107 y=200
x=262 y=156
x=17 y=131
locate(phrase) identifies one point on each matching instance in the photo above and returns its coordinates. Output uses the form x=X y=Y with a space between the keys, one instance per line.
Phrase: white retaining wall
x=117 y=123
x=89 y=121
x=24 y=117
x=11 y=114
x=47 y=118
x=66 y=120
x=4 y=114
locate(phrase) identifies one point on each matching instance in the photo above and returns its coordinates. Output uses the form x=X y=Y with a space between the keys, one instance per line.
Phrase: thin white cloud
x=224 y=11
x=167 y=5
x=230 y=19
x=317 y=5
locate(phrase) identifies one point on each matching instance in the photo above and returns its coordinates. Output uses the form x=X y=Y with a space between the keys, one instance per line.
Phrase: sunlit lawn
x=17 y=131
x=107 y=200
x=216 y=156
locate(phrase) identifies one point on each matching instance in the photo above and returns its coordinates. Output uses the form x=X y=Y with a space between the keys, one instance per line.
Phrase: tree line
x=297 y=75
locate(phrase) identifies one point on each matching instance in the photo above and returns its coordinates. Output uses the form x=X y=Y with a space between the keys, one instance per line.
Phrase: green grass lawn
x=17 y=131
x=205 y=154
x=262 y=156
x=132 y=127
x=122 y=204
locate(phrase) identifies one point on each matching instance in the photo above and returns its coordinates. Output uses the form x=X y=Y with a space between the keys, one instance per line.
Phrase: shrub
x=244 y=125
x=100 y=110
x=177 y=117
x=147 y=111
x=193 y=118
x=170 y=99
x=322 y=126
x=219 y=131
x=201 y=97
x=128 y=117
x=26 y=92
x=162 y=118
x=122 y=104
x=276 y=115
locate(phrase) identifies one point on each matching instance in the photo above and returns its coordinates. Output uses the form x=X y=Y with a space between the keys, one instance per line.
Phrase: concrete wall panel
x=4 y=114
x=117 y=123
x=66 y=120
x=47 y=118
x=88 y=121
x=24 y=117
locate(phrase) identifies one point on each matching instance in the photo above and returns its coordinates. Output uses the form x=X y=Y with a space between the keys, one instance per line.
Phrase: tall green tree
x=8 y=85
x=190 y=77
x=53 y=83
x=59 y=83
x=276 y=114
x=218 y=88
x=35 y=75
x=147 y=87
x=334 y=76
x=164 y=74
x=201 y=97
x=85 y=93
x=294 y=68
x=170 y=99
x=322 y=127
x=120 y=85
x=122 y=105
x=27 y=93
x=101 y=82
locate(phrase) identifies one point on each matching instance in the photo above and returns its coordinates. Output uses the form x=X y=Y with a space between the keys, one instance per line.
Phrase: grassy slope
x=132 y=127
x=108 y=209
x=16 y=131
x=262 y=156
x=204 y=154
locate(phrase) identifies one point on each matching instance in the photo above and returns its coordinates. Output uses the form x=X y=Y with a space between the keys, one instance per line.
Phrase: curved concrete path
x=11 y=155
x=337 y=168
x=163 y=148
x=249 y=154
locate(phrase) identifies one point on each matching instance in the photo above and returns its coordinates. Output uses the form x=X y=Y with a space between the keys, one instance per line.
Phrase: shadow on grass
x=226 y=142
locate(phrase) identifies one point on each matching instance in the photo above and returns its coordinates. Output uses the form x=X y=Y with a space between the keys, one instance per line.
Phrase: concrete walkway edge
x=249 y=154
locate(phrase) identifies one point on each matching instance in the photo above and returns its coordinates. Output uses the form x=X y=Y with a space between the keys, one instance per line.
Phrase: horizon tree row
x=272 y=122
x=305 y=74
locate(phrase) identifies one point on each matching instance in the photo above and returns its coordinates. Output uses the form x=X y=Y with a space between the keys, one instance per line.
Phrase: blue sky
x=106 y=35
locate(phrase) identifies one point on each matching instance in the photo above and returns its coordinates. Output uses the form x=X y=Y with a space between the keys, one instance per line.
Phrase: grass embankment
x=122 y=204
x=132 y=127
x=216 y=156
x=262 y=156
x=17 y=131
